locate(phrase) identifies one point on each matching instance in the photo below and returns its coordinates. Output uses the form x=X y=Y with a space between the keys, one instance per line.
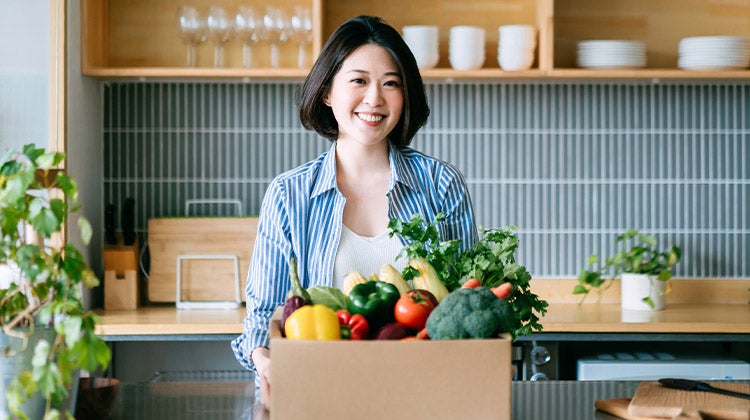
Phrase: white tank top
x=365 y=255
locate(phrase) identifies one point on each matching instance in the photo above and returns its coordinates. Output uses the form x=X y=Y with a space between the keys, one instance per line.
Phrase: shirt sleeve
x=268 y=277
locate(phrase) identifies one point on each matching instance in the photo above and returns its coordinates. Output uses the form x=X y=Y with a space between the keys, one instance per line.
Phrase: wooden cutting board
x=651 y=399
x=202 y=280
x=618 y=407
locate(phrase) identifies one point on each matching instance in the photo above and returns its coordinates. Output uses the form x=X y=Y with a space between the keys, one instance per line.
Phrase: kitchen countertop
x=693 y=307
x=543 y=400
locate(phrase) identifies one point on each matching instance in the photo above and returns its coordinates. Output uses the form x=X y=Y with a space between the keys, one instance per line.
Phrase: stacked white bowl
x=714 y=53
x=466 y=47
x=423 y=43
x=516 y=46
x=611 y=54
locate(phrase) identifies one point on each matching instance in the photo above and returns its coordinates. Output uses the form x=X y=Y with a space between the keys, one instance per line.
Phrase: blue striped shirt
x=301 y=216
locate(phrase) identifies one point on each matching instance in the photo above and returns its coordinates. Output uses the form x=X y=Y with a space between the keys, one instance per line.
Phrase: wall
x=571 y=164
x=84 y=146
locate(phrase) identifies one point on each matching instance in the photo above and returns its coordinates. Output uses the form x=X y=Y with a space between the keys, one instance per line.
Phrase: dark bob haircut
x=352 y=34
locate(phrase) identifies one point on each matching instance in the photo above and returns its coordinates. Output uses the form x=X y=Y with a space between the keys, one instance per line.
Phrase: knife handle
x=109 y=225
x=723 y=391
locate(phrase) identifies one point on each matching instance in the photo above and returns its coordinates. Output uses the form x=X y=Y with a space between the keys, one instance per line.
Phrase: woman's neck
x=363 y=176
x=357 y=160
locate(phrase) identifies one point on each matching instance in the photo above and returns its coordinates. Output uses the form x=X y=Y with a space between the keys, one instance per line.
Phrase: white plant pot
x=635 y=287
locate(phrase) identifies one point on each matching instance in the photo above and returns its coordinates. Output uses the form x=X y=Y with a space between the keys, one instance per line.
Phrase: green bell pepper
x=374 y=300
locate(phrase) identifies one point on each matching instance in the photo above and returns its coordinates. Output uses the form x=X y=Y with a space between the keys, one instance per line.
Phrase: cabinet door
x=32 y=47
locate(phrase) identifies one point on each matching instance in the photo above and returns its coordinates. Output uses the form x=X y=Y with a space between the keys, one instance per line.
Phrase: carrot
x=409 y=338
x=422 y=334
x=503 y=291
x=471 y=283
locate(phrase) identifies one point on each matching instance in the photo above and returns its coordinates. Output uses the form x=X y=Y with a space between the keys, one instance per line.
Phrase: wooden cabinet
x=659 y=24
x=137 y=38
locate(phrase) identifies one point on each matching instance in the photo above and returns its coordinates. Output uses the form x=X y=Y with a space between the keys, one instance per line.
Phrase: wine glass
x=249 y=28
x=301 y=31
x=275 y=31
x=220 y=30
x=191 y=29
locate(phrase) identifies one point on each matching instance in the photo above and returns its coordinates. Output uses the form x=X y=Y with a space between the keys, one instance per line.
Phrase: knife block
x=121 y=288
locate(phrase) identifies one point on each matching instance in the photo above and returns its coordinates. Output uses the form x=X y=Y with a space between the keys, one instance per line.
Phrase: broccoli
x=470 y=313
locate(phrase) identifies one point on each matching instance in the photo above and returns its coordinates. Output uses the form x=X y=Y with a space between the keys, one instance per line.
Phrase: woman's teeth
x=370 y=118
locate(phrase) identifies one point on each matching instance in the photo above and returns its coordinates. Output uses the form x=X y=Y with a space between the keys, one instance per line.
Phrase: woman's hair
x=352 y=34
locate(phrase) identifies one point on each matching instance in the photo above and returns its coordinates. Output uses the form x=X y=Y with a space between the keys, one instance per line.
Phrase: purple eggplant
x=297 y=296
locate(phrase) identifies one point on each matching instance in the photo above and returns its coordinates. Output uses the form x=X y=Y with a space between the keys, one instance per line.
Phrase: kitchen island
x=560 y=400
x=711 y=316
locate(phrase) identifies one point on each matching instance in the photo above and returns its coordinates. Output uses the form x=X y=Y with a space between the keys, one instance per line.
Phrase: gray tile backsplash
x=572 y=164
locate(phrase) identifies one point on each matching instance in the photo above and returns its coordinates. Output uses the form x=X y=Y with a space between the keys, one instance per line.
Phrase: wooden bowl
x=96 y=398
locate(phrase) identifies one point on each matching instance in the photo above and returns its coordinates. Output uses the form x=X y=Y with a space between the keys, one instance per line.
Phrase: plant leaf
x=579 y=289
x=86 y=232
x=70 y=328
x=20 y=388
x=46 y=375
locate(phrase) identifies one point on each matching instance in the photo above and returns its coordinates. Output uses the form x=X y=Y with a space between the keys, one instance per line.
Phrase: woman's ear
x=327 y=100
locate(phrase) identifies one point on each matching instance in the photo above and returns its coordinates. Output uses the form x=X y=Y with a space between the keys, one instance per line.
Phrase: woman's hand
x=262 y=360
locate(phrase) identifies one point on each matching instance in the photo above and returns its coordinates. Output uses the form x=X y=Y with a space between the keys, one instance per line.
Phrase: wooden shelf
x=137 y=38
x=197 y=73
x=431 y=74
x=665 y=74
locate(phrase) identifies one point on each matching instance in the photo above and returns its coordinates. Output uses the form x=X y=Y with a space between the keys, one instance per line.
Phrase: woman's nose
x=373 y=95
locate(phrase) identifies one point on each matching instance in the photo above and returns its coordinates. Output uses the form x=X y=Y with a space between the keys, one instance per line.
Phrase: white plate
x=612 y=43
x=709 y=67
x=612 y=56
x=695 y=40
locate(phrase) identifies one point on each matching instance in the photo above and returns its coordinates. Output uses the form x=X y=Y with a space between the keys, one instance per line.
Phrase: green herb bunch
x=491 y=261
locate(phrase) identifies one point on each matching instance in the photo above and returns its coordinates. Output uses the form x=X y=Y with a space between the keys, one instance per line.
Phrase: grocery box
x=387 y=379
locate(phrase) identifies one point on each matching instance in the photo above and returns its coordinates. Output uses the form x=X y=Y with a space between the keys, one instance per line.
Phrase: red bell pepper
x=353 y=327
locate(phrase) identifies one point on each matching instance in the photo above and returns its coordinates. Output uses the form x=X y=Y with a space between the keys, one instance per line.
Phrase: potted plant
x=42 y=314
x=643 y=270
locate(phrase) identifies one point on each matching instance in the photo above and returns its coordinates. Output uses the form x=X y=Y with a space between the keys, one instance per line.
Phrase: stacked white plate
x=611 y=54
x=714 y=53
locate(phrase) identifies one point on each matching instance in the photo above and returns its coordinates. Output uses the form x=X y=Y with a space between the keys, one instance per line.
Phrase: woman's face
x=366 y=96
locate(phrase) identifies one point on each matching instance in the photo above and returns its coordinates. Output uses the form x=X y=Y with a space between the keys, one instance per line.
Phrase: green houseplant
x=36 y=203
x=636 y=253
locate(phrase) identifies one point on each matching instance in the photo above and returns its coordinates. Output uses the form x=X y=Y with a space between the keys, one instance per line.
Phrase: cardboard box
x=389 y=379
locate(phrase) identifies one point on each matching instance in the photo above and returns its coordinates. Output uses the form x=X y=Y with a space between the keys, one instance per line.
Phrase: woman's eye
x=360 y=81
x=392 y=83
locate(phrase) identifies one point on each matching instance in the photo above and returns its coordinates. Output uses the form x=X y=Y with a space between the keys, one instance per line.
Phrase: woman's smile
x=370 y=118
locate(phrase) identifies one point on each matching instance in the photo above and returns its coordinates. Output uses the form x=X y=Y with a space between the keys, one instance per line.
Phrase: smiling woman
x=364 y=94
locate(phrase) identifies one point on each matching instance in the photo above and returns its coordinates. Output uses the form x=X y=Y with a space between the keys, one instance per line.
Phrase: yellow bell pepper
x=313 y=322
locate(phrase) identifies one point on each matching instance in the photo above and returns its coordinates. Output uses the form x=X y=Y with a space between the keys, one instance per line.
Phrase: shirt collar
x=400 y=171
x=327 y=176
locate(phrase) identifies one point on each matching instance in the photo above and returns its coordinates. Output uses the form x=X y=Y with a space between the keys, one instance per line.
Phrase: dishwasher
x=642 y=365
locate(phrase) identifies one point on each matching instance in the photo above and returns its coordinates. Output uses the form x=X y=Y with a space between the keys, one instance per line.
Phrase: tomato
x=413 y=308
